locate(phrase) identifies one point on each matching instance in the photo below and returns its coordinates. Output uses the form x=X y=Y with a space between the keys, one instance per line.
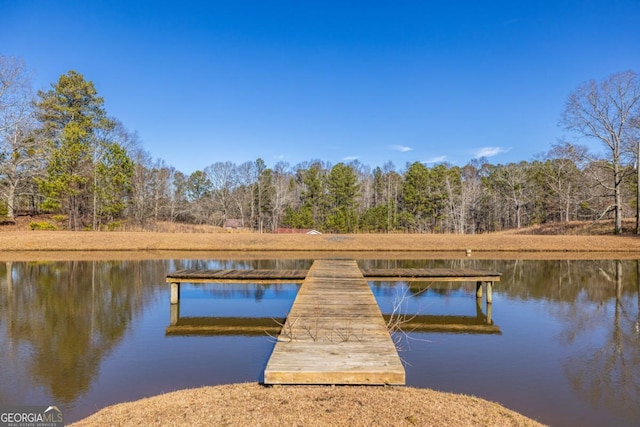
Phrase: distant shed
x=233 y=224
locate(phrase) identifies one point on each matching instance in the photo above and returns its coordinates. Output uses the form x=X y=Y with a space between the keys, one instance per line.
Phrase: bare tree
x=224 y=178
x=140 y=207
x=19 y=144
x=563 y=178
x=465 y=203
x=246 y=179
x=511 y=184
x=604 y=111
x=283 y=186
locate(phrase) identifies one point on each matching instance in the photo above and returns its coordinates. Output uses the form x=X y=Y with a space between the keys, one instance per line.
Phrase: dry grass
x=255 y=405
x=162 y=241
x=578 y=228
x=19 y=243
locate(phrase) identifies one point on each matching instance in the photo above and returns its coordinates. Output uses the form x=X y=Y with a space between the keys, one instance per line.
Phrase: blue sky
x=402 y=81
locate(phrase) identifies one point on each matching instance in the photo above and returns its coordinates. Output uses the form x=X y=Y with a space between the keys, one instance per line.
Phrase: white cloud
x=438 y=159
x=400 y=148
x=350 y=158
x=489 y=151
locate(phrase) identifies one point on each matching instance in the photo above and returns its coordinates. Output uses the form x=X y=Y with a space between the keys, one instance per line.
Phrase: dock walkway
x=335 y=333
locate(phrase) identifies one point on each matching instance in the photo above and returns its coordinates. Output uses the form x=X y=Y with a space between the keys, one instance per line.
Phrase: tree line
x=62 y=154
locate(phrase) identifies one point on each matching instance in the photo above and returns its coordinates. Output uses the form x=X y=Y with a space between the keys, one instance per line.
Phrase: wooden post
x=175 y=314
x=9 y=277
x=489 y=293
x=489 y=314
x=175 y=293
x=478 y=289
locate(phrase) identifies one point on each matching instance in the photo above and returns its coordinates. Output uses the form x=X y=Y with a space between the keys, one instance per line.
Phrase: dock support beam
x=174 y=314
x=489 y=286
x=175 y=293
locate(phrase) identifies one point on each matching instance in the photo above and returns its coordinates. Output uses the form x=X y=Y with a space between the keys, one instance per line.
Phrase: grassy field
x=39 y=244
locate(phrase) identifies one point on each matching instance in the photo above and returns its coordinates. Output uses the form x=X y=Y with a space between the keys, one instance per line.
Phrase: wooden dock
x=335 y=333
x=488 y=278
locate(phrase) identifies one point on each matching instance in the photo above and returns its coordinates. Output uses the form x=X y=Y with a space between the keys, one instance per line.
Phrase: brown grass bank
x=255 y=405
x=161 y=241
x=575 y=237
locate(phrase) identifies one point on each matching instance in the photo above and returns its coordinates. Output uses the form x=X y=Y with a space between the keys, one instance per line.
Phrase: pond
x=560 y=343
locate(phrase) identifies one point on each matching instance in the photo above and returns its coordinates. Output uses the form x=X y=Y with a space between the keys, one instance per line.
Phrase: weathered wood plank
x=431 y=274
x=236 y=276
x=297 y=276
x=335 y=333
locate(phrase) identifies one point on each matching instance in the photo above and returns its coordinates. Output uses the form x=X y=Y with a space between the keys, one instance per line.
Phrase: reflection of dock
x=249 y=326
x=335 y=332
x=259 y=326
x=478 y=324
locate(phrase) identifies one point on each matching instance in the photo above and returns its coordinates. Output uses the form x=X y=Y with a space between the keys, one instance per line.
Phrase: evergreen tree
x=72 y=117
x=113 y=185
x=314 y=196
x=415 y=199
x=343 y=190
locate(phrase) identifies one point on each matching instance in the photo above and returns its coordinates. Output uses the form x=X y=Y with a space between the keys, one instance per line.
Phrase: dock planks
x=237 y=276
x=431 y=274
x=335 y=333
x=298 y=276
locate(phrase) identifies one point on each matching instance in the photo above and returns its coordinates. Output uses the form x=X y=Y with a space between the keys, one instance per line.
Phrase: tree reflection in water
x=50 y=306
x=609 y=373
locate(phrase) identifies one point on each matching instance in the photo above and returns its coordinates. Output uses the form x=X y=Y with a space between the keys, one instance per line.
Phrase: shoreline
x=31 y=245
x=251 y=404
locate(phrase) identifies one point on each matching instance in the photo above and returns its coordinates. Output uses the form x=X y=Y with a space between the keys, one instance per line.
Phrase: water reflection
x=215 y=326
x=607 y=372
x=481 y=323
x=61 y=319
x=225 y=315
x=88 y=334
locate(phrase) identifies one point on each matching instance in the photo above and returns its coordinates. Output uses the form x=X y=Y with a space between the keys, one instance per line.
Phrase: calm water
x=560 y=344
